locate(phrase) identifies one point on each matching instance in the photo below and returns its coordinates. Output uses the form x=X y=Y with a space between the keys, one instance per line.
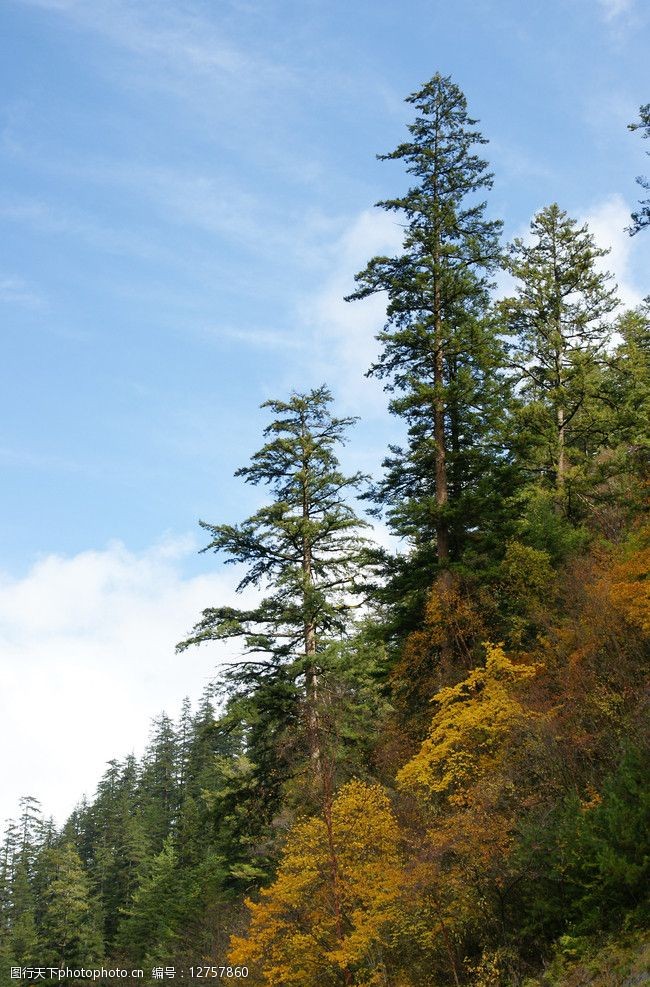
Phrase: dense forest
x=428 y=764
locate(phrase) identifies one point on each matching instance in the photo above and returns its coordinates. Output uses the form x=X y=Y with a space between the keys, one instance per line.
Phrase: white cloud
x=344 y=332
x=87 y=652
x=607 y=221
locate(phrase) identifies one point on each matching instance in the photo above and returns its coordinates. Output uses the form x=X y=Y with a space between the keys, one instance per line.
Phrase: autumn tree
x=327 y=917
x=469 y=778
x=440 y=355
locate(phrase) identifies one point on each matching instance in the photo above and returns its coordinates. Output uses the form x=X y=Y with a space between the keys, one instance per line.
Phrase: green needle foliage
x=559 y=317
x=304 y=550
x=70 y=929
x=441 y=356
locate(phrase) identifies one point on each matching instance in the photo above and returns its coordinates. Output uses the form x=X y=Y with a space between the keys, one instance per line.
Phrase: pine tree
x=641 y=218
x=23 y=940
x=24 y=840
x=148 y=926
x=8 y=860
x=559 y=318
x=622 y=465
x=184 y=734
x=158 y=793
x=30 y=827
x=113 y=837
x=69 y=923
x=305 y=551
x=630 y=379
x=440 y=355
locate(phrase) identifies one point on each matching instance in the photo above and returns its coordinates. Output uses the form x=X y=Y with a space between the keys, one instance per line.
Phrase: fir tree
x=305 y=551
x=559 y=317
x=114 y=832
x=69 y=924
x=23 y=940
x=158 y=793
x=440 y=355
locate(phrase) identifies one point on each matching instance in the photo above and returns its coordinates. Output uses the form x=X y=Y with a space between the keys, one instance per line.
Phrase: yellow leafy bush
x=337 y=890
x=471 y=723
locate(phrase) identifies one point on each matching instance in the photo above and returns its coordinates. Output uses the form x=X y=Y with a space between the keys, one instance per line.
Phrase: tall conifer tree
x=440 y=356
x=69 y=922
x=559 y=318
x=304 y=550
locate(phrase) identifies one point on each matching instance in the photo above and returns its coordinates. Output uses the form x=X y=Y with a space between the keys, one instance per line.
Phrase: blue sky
x=186 y=192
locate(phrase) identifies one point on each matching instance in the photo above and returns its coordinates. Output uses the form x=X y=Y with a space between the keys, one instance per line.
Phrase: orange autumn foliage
x=451 y=630
x=630 y=584
x=337 y=891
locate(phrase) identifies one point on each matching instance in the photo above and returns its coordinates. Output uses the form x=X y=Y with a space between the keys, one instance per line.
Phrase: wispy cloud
x=46 y=462
x=268 y=339
x=178 y=36
x=46 y=218
x=344 y=344
x=16 y=291
x=511 y=161
x=211 y=202
x=614 y=9
x=230 y=91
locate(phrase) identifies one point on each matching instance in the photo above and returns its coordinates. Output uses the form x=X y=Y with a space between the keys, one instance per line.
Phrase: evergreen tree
x=23 y=940
x=559 y=317
x=184 y=734
x=8 y=860
x=24 y=839
x=304 y=549
x=115 y=836
x=30 y=828
x=148 y=927
x=440 y=354
x=69 y=926
x=641 y=218
x=630 y=382
x=158 y=785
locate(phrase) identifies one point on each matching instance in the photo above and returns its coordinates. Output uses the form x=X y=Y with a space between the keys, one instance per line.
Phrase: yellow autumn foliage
x=468 y=731
x=337 y=890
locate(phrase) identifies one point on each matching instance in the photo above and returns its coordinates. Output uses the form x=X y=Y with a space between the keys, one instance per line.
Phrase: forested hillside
x=428 y=765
